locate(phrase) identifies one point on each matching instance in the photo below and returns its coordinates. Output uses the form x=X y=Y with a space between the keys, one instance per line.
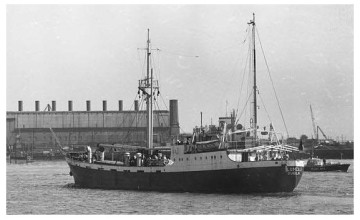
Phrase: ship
x=239 y=160
x=315 y=164
x=321 y=165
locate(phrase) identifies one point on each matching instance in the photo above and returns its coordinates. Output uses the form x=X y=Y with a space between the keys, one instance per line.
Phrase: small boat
x=315 y=164
x=239 y=161
x=319 y=165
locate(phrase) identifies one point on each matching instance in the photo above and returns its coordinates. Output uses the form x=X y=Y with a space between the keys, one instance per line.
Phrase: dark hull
x=329 y=167
x=248 y=180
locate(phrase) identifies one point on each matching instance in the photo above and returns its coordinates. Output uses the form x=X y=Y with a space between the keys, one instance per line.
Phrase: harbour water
x=45 y=187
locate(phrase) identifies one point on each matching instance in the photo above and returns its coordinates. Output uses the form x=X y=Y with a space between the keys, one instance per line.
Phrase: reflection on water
x=46 y=188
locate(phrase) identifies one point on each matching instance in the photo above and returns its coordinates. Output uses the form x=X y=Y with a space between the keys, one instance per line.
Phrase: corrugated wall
x=86 y=119
x=84 y=128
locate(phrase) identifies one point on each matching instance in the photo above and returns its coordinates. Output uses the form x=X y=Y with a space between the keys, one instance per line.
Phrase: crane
x=313 y=123
x=316 y=128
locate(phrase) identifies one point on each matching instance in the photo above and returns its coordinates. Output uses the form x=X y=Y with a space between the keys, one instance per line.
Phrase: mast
x=149 y=87
x=150 y=101
x=149 y=96
x=253 y=63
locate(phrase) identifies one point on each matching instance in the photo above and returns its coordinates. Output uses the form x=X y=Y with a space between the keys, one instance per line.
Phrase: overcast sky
x=89 y=52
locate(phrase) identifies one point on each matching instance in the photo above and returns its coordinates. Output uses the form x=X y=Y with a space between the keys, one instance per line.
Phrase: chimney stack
x=174 y=118
x=37 y=106
x=53 y=105
x=120 y=105
x=20 y=106
x=88 y=107
x=104 y=106
x=70 y=106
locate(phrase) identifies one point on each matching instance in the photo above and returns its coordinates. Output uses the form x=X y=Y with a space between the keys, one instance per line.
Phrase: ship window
x=220 y=156
x=214 y=157
x=195 y=158
x=174 y=159
x=211 y=157
x=187 y=158
x=206 y=158
x=200 y=158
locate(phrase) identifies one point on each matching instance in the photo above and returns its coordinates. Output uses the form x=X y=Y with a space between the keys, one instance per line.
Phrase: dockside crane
x=316 y=128
x=313 y=124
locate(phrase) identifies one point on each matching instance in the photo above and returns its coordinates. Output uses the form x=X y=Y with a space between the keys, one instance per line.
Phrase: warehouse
x=29 y=131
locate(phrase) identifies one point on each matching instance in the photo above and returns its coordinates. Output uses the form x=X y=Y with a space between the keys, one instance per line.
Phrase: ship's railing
x=145 y=83
x=261 y=153
x=263 y=137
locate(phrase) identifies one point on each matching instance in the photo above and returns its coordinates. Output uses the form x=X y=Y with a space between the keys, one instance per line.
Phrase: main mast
x=253 y=60
x=148 y=87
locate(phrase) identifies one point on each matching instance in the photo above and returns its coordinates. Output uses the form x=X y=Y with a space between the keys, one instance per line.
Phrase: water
x=45 y=187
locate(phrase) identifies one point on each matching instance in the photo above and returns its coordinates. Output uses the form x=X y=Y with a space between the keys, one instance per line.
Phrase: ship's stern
x=292 y=174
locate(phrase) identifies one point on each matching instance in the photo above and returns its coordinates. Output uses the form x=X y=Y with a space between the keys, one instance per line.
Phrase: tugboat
x=238 y=161
x=319 y=165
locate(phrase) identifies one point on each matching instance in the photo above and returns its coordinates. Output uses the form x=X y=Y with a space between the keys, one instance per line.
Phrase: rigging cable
x=244 y=107
x=272 y=83
x=242 y=82
x=262 y=101
x=160 y=115
x=236 y=61
x=248 y=86
x=126 y=135
x=142 y=66
x=177 y=54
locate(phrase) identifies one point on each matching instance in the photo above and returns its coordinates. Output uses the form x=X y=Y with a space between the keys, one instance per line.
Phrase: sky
x=90 y=52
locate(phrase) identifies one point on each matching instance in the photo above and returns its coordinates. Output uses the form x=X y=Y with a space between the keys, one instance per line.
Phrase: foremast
x=148 y=87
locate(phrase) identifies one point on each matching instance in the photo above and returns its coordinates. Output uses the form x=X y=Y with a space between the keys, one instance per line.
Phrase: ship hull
x=329 y=167
x=241 y=180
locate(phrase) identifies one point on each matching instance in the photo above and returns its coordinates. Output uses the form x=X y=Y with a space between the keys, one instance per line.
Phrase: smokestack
x=174 y=118
x=70 y=106
x=104 y=106
x=20 y=106
x=120 y=105
x=88 y=107
x=136 y=103
x=37 y=106
x=53 y=105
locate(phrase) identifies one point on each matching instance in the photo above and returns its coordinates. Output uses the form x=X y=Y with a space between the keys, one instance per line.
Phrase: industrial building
x=29 y=131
